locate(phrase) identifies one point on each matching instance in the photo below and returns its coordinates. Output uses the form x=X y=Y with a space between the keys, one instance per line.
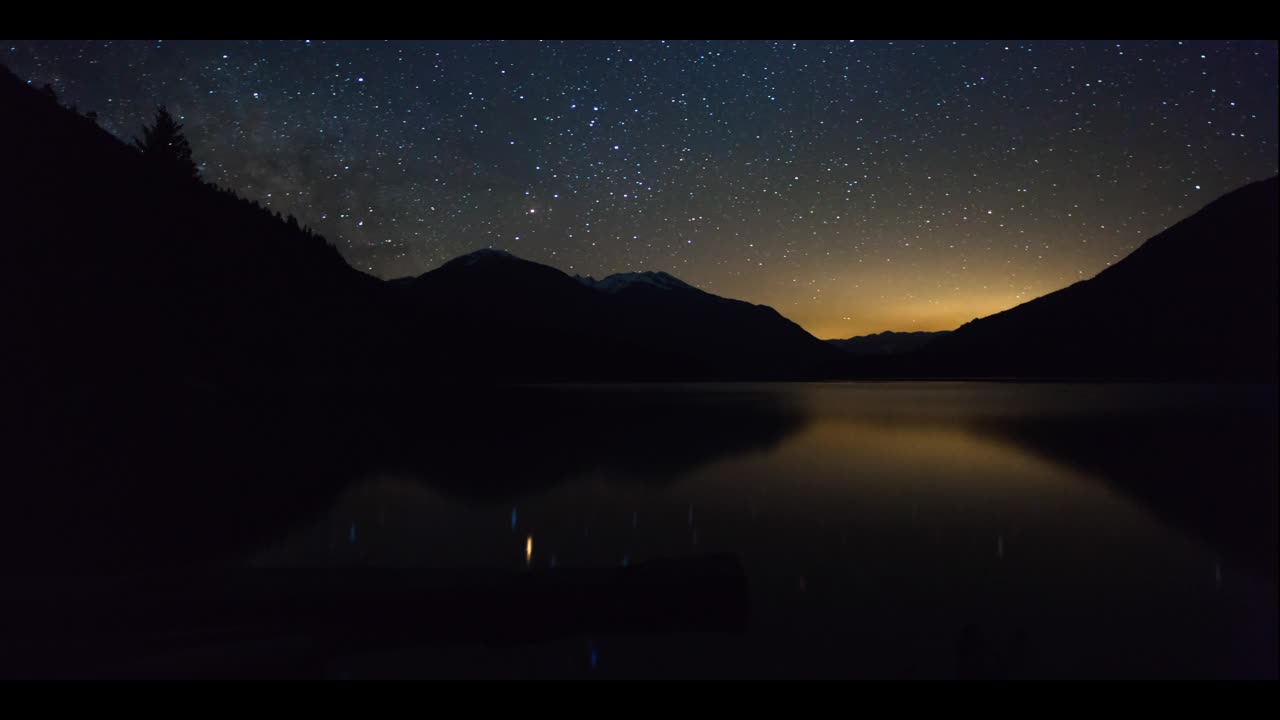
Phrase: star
x=894 y=151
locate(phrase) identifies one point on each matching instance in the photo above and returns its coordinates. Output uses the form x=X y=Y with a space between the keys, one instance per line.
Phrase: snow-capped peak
x=619 y=281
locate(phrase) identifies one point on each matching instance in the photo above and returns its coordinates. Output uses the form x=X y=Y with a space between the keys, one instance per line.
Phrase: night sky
x=854 y=186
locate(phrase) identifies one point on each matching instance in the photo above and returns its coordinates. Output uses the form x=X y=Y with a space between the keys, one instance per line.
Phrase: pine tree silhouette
x=164 y=144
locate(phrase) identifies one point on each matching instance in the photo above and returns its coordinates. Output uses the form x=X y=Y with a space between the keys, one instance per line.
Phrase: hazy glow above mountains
x=854 y=186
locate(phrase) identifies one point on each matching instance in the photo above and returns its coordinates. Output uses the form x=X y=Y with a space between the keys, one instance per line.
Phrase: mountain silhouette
x=170 y=346
x=132 y=276
x=519 y=319
x=1197 y=301
x=733 y=338
x=886 y=343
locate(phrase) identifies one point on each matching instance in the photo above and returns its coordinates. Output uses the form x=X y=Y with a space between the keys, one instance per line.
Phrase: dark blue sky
x=855 y=186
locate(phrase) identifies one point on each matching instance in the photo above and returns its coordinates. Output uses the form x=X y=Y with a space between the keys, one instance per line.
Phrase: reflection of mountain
x=218 y=480
x=1211 y=472
x=203 y=482
x=495 y=444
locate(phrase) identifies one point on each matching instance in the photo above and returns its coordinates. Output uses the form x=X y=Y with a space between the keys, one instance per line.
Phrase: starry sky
x=855 y=186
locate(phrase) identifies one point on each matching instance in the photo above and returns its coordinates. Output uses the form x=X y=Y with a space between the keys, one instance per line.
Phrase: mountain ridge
x=889 y=342
x=251 y=298
x=1178 y=307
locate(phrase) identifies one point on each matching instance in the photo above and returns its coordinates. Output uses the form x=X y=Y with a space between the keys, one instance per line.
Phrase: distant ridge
x=887 y=342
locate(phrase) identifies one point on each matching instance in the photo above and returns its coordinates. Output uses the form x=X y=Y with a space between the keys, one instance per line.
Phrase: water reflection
x=1207 y=465
x=542 y=437
x=927 y=524
x=1010 y=458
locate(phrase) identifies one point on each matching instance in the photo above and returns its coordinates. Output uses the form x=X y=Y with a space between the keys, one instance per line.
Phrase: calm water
x=887 y=530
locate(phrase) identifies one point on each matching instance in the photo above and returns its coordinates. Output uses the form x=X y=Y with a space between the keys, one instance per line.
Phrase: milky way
x=854 y=186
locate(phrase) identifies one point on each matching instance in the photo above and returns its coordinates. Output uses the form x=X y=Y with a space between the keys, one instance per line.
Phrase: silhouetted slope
x=160 y=334
x=886 y=343
x=733 y=338
x=119 y=275
x=504 y=318
x=1196 y=301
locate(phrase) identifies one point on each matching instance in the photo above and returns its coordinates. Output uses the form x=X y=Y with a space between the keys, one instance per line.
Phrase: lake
x=911 y=529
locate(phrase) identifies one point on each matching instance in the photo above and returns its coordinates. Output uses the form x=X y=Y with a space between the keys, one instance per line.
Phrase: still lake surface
x=886 y=529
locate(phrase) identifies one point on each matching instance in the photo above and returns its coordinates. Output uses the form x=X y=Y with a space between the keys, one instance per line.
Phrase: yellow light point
x=528 y=549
